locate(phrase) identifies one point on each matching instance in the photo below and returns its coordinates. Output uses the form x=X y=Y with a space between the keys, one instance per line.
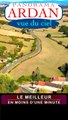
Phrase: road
x=25 y=90
x=30 y=55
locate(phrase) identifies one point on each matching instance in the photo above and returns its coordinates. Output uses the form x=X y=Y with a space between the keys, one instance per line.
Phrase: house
x=59 y=79
x=42 y=83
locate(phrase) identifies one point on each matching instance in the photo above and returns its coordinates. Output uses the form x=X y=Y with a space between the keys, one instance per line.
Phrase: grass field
x=12 y=33
x=50 y=58
x=64 y=23
x=7 y=27
x=3 y=18
x=10 y=48
x=7 y=34
x=5 y=38
x=27 y=46
x=64 y=40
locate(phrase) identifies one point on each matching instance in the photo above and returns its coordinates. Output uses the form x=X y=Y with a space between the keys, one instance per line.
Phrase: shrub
x=3 y=22
x=48 y=35
x=60 y=42
x=66 y=47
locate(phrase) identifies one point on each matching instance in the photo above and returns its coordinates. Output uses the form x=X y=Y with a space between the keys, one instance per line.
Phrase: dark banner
x=33 y=99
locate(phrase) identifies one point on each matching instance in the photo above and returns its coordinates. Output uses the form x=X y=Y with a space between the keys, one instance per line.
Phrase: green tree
x=33 y=75
x=64 y=69
x=67 y=46
x=48 y=35
x=23 y=30
x=60 y=42
x=64 y=29
x=7 y=84
x=36 y=74
x=2 y=49
x=21 y=54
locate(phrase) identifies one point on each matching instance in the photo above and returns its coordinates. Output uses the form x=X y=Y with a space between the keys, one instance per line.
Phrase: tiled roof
x=42 y=83
x=59 y=78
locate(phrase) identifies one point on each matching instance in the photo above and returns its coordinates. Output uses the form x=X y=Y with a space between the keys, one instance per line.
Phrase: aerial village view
x=33 y=60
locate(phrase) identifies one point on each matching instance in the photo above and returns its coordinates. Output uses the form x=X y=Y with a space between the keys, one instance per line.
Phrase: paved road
x=25 y=90
x=37 y=50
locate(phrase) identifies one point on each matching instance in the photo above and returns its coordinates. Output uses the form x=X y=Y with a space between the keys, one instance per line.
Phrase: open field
x=25 y=49
x=5 y=38
x=27 y=46
x=50 y=58
x=64 y=40
x=3 y=18
x=64 y=23
x=12 y=33
x=7 y=27
x=10 y=48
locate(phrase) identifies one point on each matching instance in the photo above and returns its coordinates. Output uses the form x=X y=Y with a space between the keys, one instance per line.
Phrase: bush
x=24 y=78
x=66 y=47
x=2 y=65
x=64 y=69
x=45 y=78
x=33 y=46
x=64 y=29
x=2 y=49
x=23 y=31
x=48 y=35
x=60 y=42
x=7 y=84
x=3 y=22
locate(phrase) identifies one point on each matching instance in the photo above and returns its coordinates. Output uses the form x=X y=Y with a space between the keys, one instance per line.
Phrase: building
x=58 y=79
x=42 y=83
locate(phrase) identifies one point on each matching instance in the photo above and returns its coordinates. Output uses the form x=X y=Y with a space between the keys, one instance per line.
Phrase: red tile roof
x=59 y=78
x=42 y=83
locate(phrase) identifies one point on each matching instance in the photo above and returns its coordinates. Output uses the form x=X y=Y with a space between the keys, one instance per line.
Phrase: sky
x=57 y=1
x=33 y=0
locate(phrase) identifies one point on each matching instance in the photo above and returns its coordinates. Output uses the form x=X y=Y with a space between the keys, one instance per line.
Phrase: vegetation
x=1 y=10
x=64 y=69
x=60 y=42
x=7 y=84
x=36 y=76
x=2 y=49
x=25 y=30
x=33 y=46
x=64 y=29
x=2 y=65
x=3 y=22
x=67 y=46
x=48 y=35
x=42 y=90
x=64 y=89
x=24 y=78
